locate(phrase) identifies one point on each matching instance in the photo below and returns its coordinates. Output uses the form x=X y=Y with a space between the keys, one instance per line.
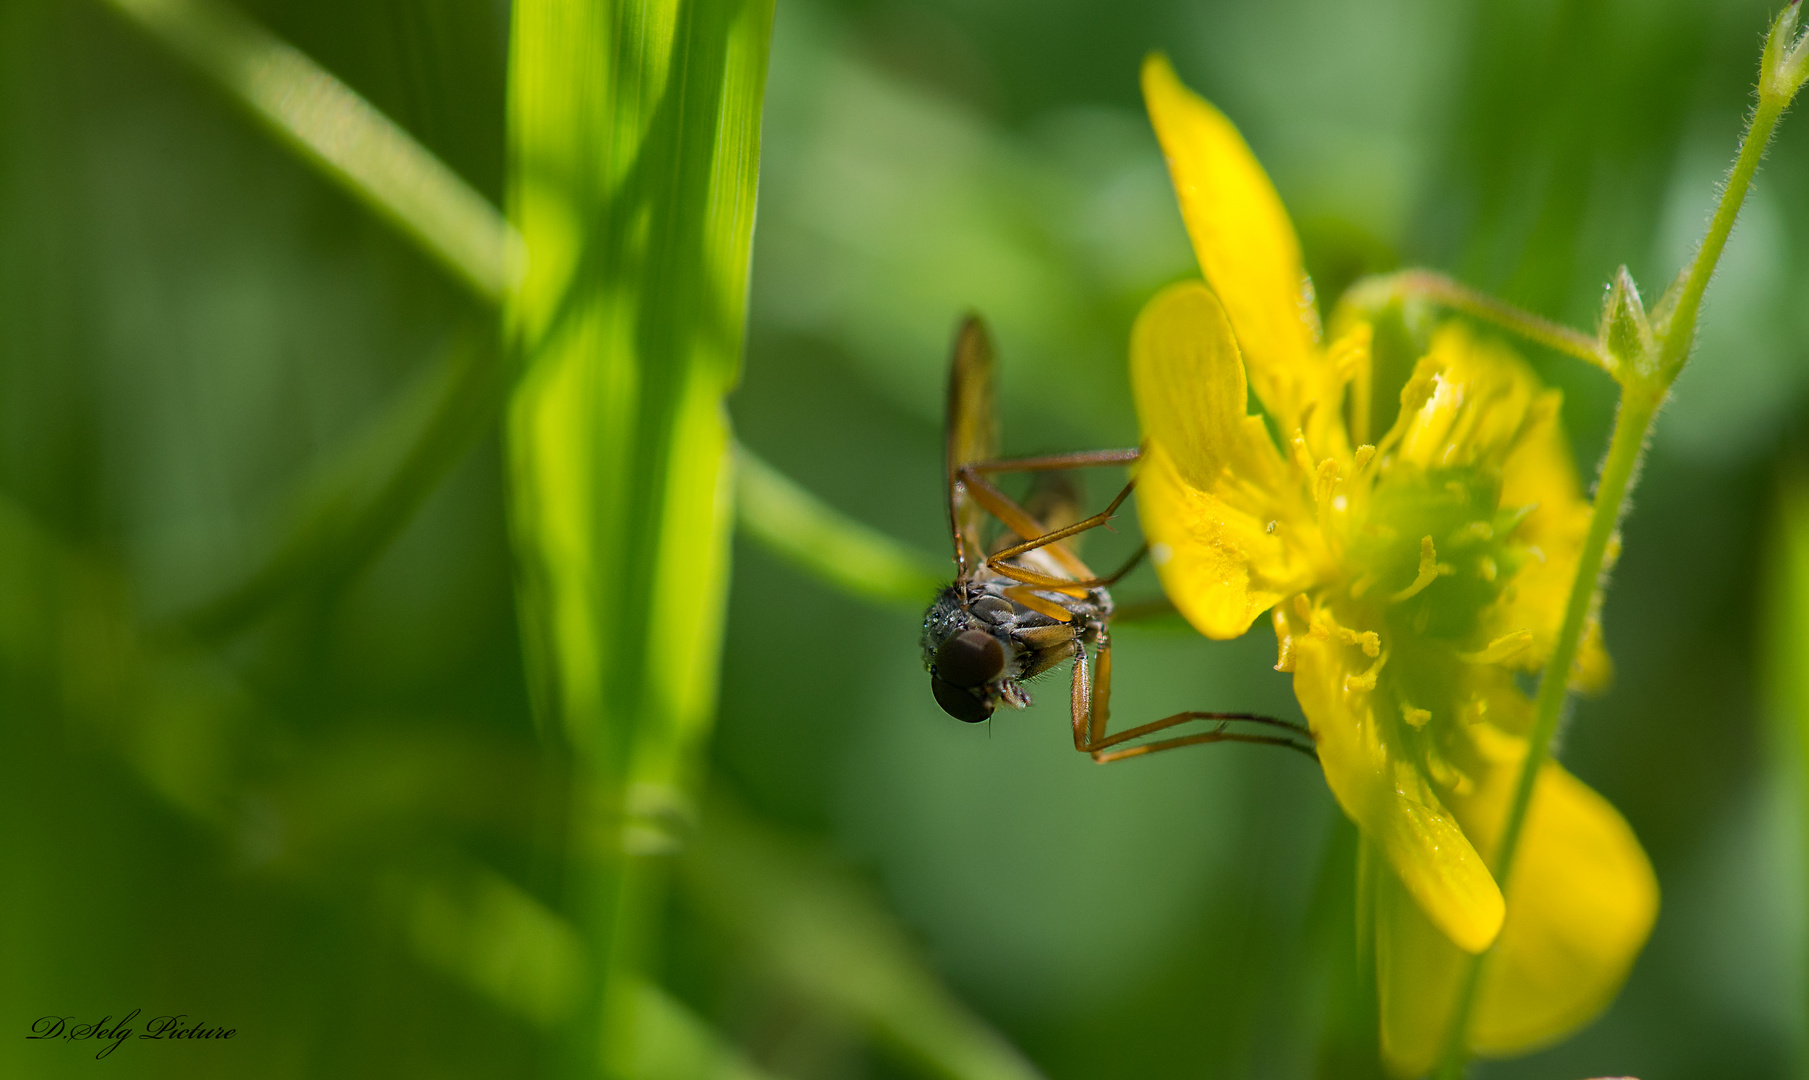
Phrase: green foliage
x=267 y=751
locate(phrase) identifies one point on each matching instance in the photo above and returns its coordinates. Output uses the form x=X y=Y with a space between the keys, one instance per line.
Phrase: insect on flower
x=1018 y=609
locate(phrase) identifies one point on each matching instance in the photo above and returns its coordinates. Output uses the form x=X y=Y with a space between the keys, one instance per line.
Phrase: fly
x=1025 y=607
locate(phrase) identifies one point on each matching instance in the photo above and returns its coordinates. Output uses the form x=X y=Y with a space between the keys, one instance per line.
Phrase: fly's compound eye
x=970 y=658
x=964 y=705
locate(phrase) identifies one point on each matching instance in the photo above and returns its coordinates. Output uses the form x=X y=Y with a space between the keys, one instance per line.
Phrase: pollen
x=1416 y=718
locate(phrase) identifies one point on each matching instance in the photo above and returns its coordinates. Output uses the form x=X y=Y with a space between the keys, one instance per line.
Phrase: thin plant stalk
x=1646 y=378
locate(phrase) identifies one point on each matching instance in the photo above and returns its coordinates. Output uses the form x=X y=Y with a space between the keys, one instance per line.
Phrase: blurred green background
x=309 y=825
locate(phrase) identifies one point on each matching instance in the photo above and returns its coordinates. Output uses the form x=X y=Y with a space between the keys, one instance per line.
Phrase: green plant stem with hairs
x=1646 y=360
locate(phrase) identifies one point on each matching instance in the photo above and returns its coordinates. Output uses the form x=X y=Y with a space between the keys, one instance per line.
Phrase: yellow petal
x=1466 y=403
x=1581 y=905
x=1227 y=527
x=1436 y=863
x=1583 y=899
x=1540 y=472
x=1188 y=380
x=1218 y=563
x=1243 y=239
x=1418 y=973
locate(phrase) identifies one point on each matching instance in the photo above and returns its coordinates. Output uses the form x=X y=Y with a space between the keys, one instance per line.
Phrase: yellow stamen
x=1367 y=680
x=1503 y=648
x=1368 y=640
x=1486 y=568
x=1416 y=718
x=1284 y=639
x=1303 y=458
x=1430 y=569
x=1365 y=454
x=1478 y=530
x=1325 y=481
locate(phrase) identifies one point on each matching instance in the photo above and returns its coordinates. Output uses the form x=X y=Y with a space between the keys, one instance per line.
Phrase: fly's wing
x=973 y=434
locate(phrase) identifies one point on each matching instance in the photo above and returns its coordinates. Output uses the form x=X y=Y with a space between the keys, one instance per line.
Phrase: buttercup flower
x=1413 y=575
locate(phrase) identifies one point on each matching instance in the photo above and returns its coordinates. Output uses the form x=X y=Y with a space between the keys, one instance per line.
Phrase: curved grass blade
x=366 y=152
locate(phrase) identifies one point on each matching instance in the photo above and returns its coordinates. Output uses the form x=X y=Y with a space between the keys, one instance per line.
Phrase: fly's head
x=979 y=646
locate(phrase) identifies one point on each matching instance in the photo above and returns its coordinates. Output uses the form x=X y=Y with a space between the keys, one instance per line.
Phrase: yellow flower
x=1411 y=579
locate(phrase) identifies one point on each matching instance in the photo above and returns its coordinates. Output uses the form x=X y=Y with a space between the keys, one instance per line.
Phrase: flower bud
x=1626 y=333
x=1785 y=64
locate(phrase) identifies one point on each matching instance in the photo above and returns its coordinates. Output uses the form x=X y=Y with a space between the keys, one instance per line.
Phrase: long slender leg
x=1081 y=526
x=1068 y=585
x=1217 y=735
x=1080 y=459
x=1091 y=710
x=1027 y=596
x=987 y=494
x=1015 y=518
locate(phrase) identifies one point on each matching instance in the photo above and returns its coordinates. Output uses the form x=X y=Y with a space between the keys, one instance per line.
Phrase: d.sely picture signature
x=168 y=1026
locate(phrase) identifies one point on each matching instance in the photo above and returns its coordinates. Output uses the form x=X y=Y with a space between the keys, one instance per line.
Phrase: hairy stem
x=1678 y=310
x=1644 y=385
x=1380 y=292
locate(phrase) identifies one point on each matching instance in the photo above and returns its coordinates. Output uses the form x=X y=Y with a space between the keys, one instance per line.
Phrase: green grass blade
x=802 y=529
x=342 y=134
x=634 y=140
x=362 y=495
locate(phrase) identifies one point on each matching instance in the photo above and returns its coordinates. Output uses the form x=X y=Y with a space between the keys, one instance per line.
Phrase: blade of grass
x=339 y=132
x=347 y=514
x=347 y=511
x=634 y=142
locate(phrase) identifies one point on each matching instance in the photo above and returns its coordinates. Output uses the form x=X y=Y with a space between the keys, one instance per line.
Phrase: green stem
x=1644 y=386
x=1375 y=294
x=1639 y=406
x=1676 y=315
x=794 y=524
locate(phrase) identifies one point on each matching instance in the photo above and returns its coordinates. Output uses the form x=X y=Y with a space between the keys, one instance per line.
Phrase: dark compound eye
x=963 y=705
x=970 y=658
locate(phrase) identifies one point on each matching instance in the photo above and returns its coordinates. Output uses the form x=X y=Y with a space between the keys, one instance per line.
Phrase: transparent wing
x=973 y=434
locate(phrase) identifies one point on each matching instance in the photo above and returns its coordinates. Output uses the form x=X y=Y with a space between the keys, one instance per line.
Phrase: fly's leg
x=1001 y=506
x=1094 y=522
x=1089 y=704
x=973 y=478
x=1081 y=459
x=1066 y=585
